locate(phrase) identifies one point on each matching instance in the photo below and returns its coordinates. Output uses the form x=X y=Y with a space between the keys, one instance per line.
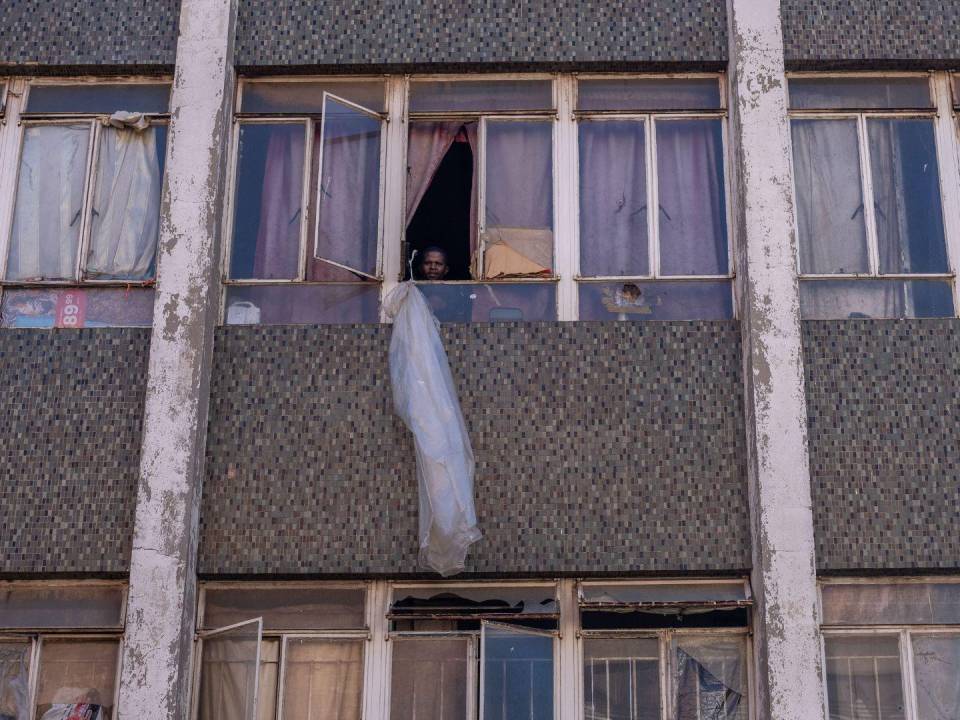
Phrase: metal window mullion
x=281 y=676
x=481 y=200
x=89 y=188
x=908 y=680
x=568 y=668
x=308 y=135
x=394 y=172
x=664 y=645
x=375 y=698
x=945 y=132
x=566 y=253
x=11 y=134
x=653 y=198
x=728 y=204
x=33 y=674
x=869 y=216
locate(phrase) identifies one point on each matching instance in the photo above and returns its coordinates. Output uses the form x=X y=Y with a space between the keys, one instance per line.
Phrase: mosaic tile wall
x=72 y=409
x=601 y=447
x=444 y=32
x=825 y=33
x=884 y=414
x=81 y=32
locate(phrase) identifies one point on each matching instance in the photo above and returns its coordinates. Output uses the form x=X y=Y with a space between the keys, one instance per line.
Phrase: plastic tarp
x=710 y=679
x=426 y=401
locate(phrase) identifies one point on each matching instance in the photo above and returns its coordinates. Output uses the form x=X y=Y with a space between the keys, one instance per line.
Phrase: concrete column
x=787 y=642
x=154 y=681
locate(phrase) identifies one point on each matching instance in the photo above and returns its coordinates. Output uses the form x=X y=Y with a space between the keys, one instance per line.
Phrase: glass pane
x=464 y=601
x=126 y=204
x=303 y=304
x=321 y=608
x=621 y=679
x=15 y=681
x=480 y=95
x=826 y=168
x=229 y=670
x=77 y=308
x=348 y=203
x=613 y=198
x=61 y=607
x=49 y=205
x=517 y=674
x=267 y=208
x=692 y=216
x=906 y=196
x=863 y=678
x=710 y=679
x=678 y=300
x=268 y=689
x=662 y=593
x=430 y=678
x=76 y=679
x=471 y=302
x=100 y=98
x=893 y=604
x=649 y=94
x=518 y=226
x=307 y=97
x=323 y=679
x=936 y=662
x=821 y=93
x=838 y=299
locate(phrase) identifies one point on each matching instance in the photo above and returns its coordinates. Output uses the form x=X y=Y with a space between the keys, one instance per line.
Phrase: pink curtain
x=278 y=236
x=429 y=143
x=473 y=138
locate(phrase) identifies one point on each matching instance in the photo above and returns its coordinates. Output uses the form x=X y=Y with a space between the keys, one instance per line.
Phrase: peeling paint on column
x=155 y=682
x=788 y=663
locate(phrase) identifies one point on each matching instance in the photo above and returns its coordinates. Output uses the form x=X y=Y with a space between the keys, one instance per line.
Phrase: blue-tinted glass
x=297 y=304
x=307 y=97
x=518 y=675
x=824 y=93
x=837 y=299
x=106 y=98
x=499 y=302
x=649 y=94
x=480 y=95
x=678 y=300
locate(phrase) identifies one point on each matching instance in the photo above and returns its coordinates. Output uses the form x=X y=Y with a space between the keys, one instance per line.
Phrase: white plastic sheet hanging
x=426 y=401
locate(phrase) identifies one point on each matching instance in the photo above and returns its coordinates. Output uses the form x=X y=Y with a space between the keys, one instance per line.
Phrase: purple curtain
x=278 y=237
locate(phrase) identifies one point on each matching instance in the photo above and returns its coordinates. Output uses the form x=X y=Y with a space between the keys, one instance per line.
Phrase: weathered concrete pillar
x=784 y=572
x=154 y=682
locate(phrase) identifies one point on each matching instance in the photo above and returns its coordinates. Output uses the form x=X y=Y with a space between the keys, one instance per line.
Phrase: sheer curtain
x=323 y=680
x=126 y=205
x=613 y=198
x=277 y=252
x=49 y=204
x=428 y=144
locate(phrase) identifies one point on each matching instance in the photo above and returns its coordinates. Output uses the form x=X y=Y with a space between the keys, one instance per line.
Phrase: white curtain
x=323 y=680
x=14 y=690
x=47 y=217
x=126 y=205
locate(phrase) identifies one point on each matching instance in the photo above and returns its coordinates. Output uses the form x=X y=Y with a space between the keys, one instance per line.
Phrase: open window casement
x=348 y=191
x=516 y=672
x=229 y=671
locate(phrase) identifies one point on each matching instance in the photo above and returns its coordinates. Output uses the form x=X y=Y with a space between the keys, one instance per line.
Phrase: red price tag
x=71 y=309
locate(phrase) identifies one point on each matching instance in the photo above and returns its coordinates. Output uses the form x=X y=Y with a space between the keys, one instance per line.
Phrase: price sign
x=71 y=309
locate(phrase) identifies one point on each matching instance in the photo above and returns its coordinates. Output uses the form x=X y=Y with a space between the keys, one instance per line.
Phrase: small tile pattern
x=72 y=409
x=883 y=401
x=81 y=32
x=452 y=32
x=601 y=447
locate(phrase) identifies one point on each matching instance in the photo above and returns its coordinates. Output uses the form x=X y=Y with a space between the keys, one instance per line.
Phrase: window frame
x=945 y=141
x=19 y=119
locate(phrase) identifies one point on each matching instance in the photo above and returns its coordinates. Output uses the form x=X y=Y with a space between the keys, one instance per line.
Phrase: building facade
x=699 y=303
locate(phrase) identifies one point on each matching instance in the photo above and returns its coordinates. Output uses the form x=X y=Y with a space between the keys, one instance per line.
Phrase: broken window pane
x=125 y=213
x=307 y=97
x=348 y=199
x=320 y=608
x=710 y=679
x=621 y=679
x=494 y=302
x=14 y=681
x=40 y=607
x=656 y=300
x=268 y=204
x=229 y=671
x=480 y=95
x=49 y=205
x=649 y=94
x=431 y=678
x=838 y=299
x=863 y=678
x=850 y=93
x=323 y=679
x=456 y=601
x=99 y=98
x=891 y=604
x=517 y=674
x=906 y=196
x=77 y=308
x=303 y=304
x=692 y=215
x=665 y=593
x=936 y=662
x=613 y=198
x=76 y=679
x=830 y=218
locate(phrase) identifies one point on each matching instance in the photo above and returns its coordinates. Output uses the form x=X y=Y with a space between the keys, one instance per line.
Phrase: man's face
x=434 y=266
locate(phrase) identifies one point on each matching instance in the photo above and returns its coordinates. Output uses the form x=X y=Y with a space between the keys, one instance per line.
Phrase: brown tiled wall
x=601 y=447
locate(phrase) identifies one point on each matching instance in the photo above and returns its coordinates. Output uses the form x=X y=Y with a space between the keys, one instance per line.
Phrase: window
x=892 y=649
x=870 y=219
x=82 y=241
x=59 y=649
x=306 y=216
x=653 y=143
